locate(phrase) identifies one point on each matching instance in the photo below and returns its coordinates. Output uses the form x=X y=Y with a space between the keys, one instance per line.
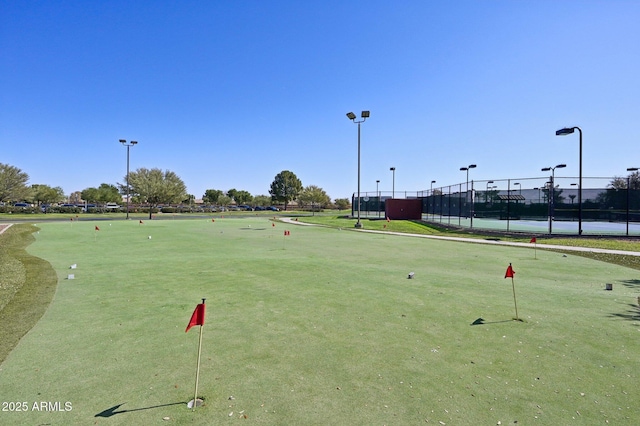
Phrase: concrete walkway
x=487 y=241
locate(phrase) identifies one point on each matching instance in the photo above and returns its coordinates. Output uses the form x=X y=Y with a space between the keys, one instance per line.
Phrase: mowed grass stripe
x=322 y=327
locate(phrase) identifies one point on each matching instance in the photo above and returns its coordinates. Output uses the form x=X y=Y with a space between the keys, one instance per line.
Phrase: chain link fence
x=543 y=204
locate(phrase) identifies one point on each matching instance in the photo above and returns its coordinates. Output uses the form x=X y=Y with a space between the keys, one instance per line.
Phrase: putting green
x=320 y=327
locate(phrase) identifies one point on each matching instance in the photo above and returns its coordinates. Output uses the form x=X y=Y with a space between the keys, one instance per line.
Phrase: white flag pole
x=195 y=393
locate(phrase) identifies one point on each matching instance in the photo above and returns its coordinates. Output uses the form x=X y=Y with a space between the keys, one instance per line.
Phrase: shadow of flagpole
x=112 y=411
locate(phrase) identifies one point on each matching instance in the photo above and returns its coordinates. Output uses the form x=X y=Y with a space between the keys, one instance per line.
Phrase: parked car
x=259 y=208
x=272 y=208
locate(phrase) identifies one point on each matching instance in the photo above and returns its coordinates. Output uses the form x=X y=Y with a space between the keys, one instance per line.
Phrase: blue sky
x=229 y=93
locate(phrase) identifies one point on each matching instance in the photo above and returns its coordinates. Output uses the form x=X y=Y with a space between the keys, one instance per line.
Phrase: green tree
x=243 y=197
x=13 y=184
x=155 y=187
x=262 y=200
x=44 y=194
x=342 y=203
x=108 y=193
x=211 y=196
x=232 y=194
x=314 y=196
x=90 y=195
x=285 y=187
x=621 y=182
x=224 y=200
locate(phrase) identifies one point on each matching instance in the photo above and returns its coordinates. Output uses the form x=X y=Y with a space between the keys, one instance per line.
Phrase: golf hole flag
x=97 y=229
x=197 y=318
x=533 y=240
x=510 y=272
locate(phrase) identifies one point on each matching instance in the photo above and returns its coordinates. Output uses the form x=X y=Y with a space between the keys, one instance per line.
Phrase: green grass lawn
x=321 y=327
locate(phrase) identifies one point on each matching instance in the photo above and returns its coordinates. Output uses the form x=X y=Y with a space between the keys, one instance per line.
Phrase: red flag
x=273 y=224
x=510 y=272
x=97 y=229
x=141 y=222
x=533 y=240
x=197 y=318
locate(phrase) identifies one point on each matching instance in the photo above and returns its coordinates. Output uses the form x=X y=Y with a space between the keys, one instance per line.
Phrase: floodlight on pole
x=433 y=203
x=470 y=166
x=552 y=190
x=351 y=116
x=128 y=145
x=393 y=182
x=567 y=131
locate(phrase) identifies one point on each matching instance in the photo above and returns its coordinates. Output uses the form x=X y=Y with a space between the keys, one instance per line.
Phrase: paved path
x=4 y=227
x=491 y=242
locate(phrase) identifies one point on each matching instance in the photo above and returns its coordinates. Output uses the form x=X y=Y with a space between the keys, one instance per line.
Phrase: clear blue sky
x=229 y=93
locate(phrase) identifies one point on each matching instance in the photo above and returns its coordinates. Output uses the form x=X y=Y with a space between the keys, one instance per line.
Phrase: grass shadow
x=112 y=411
x=631 y=283
x=631 y=314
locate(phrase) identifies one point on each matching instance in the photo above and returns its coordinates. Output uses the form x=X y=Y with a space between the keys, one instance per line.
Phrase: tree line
x=154 y=187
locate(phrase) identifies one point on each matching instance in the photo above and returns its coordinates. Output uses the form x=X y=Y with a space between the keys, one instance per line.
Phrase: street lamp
x=568 y=131
x=433 y=201
x=378 y=194
x=128 y=145
x=551 y=190
x=630 y=169
x=470 y=166
x=393 y=182
x=352 y=117
x=519 y=187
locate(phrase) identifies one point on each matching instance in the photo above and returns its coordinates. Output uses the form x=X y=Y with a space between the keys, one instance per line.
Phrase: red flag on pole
x=510 y=272
x=97 y=229
x=273 y=224
x=533 y=240
x=141 y=222
x=197 y=318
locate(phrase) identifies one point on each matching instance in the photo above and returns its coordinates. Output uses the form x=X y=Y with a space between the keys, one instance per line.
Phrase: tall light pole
x=378 y=195
x=552 y=190
x=470 y=166
x=433 y=202
x=393 y=182
x=128 y=145
x=352 y=117
x=568 y=131
x=630 y=169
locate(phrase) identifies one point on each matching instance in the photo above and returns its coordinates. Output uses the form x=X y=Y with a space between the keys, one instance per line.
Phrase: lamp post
x=568 y=131
x=433 y=201
x=378 y=194
x=470 y=166
x=393 y=182
x=352 y=117
x=551 y=191
x=486 y=192
x=128 y=145
x=630 y=169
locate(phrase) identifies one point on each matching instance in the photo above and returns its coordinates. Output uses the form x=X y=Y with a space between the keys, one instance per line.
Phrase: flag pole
x=195 y=392
x=513 y=286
